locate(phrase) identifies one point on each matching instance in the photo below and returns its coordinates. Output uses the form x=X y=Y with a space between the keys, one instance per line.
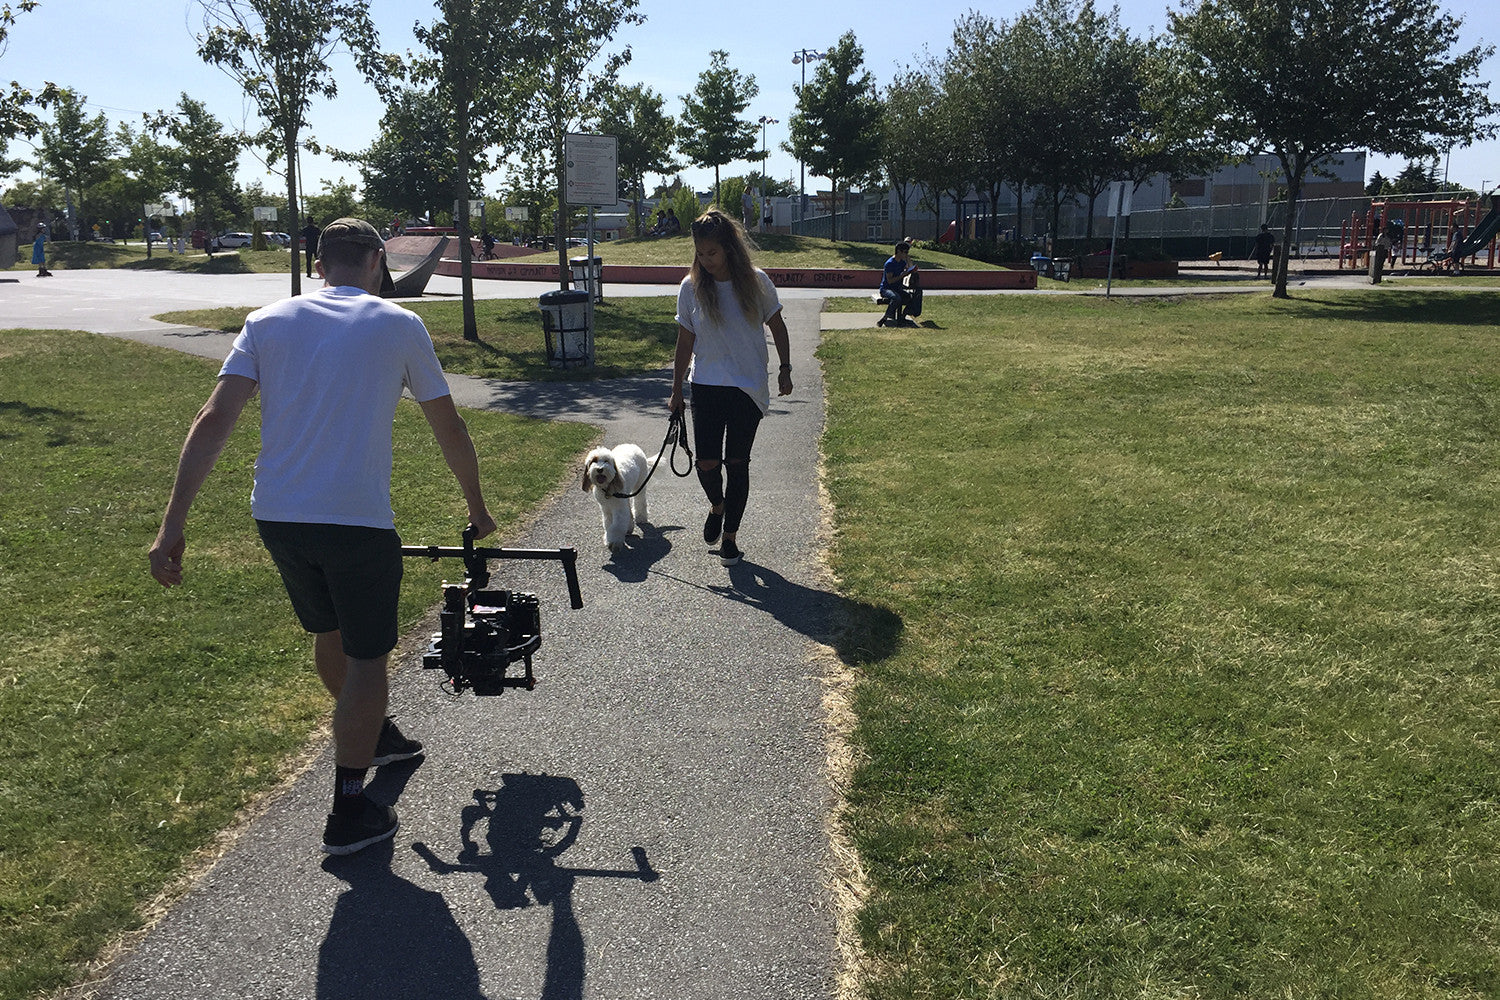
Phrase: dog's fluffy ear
x=588 y=483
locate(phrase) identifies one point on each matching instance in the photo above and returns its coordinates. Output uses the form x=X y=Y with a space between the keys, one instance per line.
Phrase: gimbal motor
x=482 y=631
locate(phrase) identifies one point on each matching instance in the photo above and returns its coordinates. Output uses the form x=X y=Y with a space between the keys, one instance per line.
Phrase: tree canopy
x=836 y=129
x=636 y=115
x=1306 y=79
x=202 y=163
x=76 y=148
x=279 y=51
x=712 y=133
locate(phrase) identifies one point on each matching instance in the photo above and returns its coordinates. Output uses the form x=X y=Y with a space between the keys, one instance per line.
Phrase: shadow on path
x=391 y=938
x=529 y=821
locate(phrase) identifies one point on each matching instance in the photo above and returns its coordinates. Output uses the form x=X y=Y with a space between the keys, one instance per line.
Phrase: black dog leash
x=677 y=435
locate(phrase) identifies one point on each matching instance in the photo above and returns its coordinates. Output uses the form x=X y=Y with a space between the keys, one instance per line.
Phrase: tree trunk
x=1283 y=252
x=294 y=224
x=461 y=213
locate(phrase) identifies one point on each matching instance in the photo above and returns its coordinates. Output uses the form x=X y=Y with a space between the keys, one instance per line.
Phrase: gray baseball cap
x=359 y=233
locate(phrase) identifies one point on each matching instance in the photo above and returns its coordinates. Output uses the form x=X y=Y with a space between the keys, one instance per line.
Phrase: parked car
x=232 y=241
x=280 y=239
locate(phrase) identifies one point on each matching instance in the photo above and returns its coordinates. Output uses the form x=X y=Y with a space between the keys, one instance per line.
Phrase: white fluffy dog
x=608 y=471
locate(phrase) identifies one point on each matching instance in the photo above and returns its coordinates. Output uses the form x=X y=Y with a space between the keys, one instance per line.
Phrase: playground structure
x=1445 y=236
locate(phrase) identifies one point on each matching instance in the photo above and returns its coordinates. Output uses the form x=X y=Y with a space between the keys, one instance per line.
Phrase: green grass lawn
x=1195 y=691
x=631 y=336
x=68 y=256
x=138 y=721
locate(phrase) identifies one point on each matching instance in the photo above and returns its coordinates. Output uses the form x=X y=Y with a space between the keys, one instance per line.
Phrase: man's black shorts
x=341 y=578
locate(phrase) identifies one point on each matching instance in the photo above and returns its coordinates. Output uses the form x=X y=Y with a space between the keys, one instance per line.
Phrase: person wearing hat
x=39 y=251
x=330 y=367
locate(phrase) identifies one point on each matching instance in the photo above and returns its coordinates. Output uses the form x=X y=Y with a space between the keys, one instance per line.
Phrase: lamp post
x=802 y=58
x=764 y=160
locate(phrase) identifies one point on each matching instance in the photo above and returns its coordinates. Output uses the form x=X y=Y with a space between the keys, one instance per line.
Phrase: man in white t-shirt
x=330 y=368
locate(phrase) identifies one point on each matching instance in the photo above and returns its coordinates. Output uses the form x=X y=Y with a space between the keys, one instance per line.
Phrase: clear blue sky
x=133 y=56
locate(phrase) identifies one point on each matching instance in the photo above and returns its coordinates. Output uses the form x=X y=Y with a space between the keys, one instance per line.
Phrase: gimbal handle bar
x=474 y=560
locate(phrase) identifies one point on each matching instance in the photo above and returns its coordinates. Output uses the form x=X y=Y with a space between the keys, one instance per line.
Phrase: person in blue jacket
x=897 y=267
x=39 y=251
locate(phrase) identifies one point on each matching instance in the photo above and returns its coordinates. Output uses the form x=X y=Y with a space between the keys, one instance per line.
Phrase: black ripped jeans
x=725 y=419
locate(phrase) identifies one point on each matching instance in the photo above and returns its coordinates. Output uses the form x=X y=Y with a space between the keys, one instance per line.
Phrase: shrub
x=1005 y=252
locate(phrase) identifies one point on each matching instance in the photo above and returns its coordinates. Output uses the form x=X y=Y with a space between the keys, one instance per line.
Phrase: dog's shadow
x=633 y=562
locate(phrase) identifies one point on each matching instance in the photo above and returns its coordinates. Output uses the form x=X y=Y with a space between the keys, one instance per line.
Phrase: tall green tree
x=202 y=161
x=1416 y=178
x=1174 y=133
x=76 y=149
x=1306 y=79
x=563 y=44
x=637 y=116
x=336 y=199
x=464 y=45
x=712 y=133
x=279 y=51
x=980 y=73
x=411 y=165
x=139 y=176
x=836 y=128
x=905 y=139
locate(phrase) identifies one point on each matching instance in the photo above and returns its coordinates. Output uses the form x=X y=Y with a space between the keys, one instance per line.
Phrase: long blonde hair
x=726 y=231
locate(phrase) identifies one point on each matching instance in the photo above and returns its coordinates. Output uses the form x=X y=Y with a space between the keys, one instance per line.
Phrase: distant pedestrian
x=1380 y=253
x=1265 y=245
x=724 y=306
x=39 y=251
x=310 y=234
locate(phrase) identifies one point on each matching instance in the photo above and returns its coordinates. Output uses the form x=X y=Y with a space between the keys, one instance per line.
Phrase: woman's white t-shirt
x=732 y=351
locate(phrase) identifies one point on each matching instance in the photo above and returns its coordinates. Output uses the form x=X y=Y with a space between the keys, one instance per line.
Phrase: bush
x=1005 y=252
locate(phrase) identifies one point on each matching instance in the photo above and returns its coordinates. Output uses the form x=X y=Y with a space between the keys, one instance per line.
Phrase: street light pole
x=802 y=58
x=765 y=157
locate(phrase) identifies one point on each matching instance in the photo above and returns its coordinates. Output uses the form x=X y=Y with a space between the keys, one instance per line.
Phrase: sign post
x=592 y=179
x=1120 y=195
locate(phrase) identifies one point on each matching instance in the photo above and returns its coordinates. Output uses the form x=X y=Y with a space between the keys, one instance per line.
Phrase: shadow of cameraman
x=531 y=820
x=391 y=938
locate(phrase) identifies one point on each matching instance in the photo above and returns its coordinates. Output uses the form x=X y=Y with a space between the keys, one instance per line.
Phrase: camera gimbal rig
x=482 y=631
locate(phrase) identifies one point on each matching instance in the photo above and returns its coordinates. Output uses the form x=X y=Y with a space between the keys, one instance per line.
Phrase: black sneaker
x=347 y=834
x=713 y=527
x=730 y=554
x=392 y=746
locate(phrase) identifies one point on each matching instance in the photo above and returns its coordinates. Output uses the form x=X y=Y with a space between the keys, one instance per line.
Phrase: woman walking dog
x=724 y=306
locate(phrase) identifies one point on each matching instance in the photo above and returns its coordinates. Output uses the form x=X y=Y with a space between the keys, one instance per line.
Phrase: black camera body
x=483 y=631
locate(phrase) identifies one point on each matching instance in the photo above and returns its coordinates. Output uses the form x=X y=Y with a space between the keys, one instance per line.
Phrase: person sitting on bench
x=891 y=288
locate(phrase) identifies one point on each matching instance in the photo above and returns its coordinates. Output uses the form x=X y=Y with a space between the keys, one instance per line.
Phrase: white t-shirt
x=331 y=368
x=733 y=351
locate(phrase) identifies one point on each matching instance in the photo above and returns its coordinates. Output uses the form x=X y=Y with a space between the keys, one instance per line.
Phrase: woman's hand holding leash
x=784 y=382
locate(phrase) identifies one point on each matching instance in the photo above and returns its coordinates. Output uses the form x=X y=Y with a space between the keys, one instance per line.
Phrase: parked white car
x=232 y=241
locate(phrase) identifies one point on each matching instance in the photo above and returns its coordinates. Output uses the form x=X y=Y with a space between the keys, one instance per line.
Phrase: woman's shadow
x=529 y=821
x=859 y=631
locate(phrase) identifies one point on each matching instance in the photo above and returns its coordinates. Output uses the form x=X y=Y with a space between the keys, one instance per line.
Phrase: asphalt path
x=649 y=822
